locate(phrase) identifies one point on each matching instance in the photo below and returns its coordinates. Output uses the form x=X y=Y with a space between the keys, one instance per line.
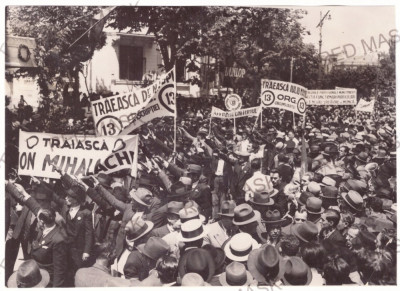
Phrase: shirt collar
x=76 y=208
x=48 y=230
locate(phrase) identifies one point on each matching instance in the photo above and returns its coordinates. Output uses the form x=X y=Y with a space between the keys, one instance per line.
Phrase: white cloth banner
x=77 y=155
x=154 y=109
x=112 y=114
x=218 y=113
x=365 y=106
x=339 y=96
x=283 y=95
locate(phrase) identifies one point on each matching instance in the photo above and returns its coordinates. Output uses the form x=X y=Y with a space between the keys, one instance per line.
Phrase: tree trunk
x=75 y=93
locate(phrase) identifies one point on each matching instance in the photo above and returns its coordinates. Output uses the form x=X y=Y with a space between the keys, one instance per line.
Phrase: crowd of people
x=263 y=203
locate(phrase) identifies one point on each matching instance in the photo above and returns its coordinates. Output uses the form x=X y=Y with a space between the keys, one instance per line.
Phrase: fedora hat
x=314 y=205
x=238 y=247
x=217 y=254
x=186 y=181
x=354 y=200
x=297 y=272
x=244 y=214
x=241 y=153
x=314 y=187
x=192 y=230
x=191 y=212
x=327 y=181
x=265 y=260
x=329 y=192
x=362 y=157
x=262 y=199
x=178 y=191
x=140 y=194
x=197 y=261
x=174 y=207
x=77 y=193
x=29 y=275
x=273 y=218
x=104 y=179
x=306 y=231
x=303 y=197
x=154 y=248
x=227 y=208
x=42 y=192
x=140 y=228
x=193 y=168
x=193 y=279
x=235 y=275
x=336 y=177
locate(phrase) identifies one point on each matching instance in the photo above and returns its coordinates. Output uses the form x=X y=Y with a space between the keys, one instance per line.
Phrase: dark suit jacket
x=50 y=254
x=201 y=194
x=337 y=239
x=127 y=211
x=138 y=266
x=239 y=178
x=24 y=231
x=79 y=229
x=161 y=231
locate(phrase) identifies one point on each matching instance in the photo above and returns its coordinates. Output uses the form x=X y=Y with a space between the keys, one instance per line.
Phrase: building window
x=131 y=63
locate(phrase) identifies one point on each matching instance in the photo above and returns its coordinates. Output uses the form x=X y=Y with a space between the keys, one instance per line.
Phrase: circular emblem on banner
x=267 y=98
x=233 y=102
x=166 y=96
x=301 y=105
x=109 y=125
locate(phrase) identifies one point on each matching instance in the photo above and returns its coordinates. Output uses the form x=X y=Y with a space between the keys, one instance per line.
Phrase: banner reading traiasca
x=112 y=114
x=77 y=155
x=283 y=95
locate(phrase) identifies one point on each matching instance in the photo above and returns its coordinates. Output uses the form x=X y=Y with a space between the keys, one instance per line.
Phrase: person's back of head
x=167 y=268
x=289 y=245
x=375 y=267
x=313 y=254
x=256 y=164
x=336 y=271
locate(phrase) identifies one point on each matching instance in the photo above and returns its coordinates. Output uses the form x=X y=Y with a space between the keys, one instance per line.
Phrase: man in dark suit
x=241 y=173
x=25 y=229
x=172 y=216
x=201 y=192
x=143 y=201
x=329 y=221
x=78 y=227
x=48 y=248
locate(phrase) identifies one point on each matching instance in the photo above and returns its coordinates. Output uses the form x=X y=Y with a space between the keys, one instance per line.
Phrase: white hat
x=192 y=230
x=239 y=247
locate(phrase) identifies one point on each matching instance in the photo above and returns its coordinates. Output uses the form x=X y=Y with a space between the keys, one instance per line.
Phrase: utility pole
x=320 y=24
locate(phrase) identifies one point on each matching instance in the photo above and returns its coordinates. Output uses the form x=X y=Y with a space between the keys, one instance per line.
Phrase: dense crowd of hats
x=226 y=209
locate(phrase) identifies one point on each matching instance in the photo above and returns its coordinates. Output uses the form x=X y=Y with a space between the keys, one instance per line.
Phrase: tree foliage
x=55 y=28
x=260 y=40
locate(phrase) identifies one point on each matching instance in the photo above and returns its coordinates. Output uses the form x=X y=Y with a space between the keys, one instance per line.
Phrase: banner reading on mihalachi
x=77 y=155
x=113 y=114
x=218 y=113
x=283 y=95
x=365 y=106
x=339 y=96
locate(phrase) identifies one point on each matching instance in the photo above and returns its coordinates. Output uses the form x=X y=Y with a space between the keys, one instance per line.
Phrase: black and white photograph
x=247 y=145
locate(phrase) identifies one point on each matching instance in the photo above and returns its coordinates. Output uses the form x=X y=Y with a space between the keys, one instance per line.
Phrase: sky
x=351 y=25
